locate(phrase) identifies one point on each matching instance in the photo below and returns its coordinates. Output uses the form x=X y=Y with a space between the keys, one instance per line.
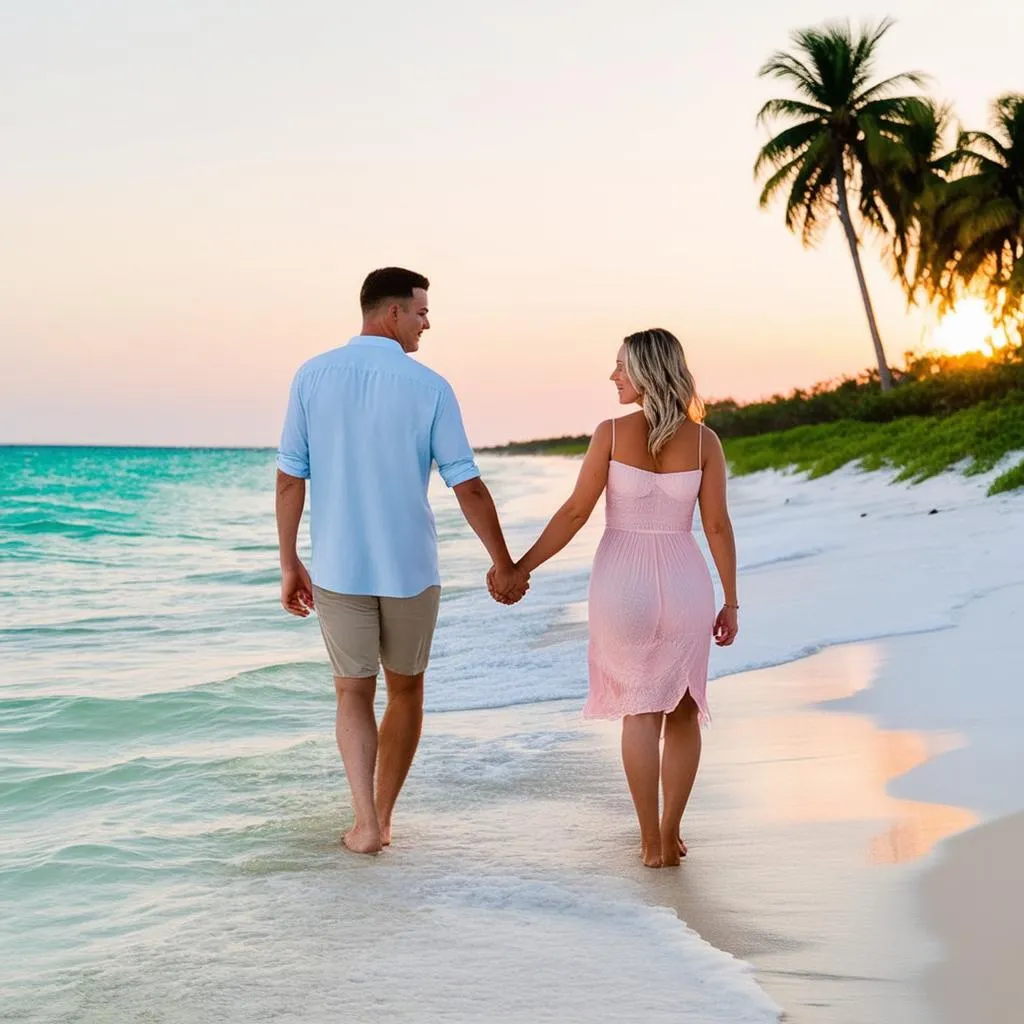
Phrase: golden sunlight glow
x=967 y=328
x=819 y=766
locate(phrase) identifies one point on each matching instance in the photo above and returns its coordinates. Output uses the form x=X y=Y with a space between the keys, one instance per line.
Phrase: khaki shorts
x=363 y=632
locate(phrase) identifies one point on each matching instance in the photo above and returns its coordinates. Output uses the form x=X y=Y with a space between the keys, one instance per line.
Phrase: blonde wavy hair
x=656 y=366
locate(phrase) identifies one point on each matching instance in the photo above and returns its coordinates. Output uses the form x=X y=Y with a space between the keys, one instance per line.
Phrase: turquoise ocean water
x=171 y=796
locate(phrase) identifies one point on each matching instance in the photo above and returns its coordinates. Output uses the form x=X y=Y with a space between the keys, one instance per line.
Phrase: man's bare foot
x=362 y=839
x=650 y=853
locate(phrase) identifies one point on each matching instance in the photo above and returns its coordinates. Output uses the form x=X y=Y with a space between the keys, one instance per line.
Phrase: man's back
x=364 y=424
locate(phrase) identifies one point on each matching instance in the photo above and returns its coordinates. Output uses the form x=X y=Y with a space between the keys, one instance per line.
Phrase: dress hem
x=703 y=714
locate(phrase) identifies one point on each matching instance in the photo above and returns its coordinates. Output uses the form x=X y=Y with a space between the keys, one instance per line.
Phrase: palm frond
x=790 y=109
x=985 y=141
x=788 y=68
x=809 y=198
x=787 y=144
x=974 y=164
x=882 y=90
x=779 y=179
x=993 y=218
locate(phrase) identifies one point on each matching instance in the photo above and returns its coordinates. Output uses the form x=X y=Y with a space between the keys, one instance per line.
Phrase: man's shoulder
x=427 y=376
x=331 y=357
x=409 y=371
x=369 y=359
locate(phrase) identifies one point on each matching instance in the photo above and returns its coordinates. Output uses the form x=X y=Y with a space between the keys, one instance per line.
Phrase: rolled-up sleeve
x=293 y=451
x=449 y=445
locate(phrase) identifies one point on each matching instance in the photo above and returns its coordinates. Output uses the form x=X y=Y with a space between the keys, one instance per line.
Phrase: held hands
x=296 y=590
x=507 y=585
x=726 y=626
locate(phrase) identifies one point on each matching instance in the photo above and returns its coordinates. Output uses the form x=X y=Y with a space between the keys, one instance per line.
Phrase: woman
x=651 y=606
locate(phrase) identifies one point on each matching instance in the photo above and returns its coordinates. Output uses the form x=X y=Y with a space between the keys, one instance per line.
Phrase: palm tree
x=846 y=129
x=976 y=238
x=911 y=181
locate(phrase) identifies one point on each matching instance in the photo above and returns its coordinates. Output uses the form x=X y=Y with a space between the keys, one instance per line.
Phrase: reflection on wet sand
x=819 y=766
x=800 y=861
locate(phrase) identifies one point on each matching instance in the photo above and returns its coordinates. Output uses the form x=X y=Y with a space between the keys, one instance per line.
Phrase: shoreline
x=801 y=863
x=925 y=593
x=917 y=746
x=823 y=791
x=936 y=937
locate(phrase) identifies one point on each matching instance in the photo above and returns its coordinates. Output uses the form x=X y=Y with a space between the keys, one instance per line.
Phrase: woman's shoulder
x=602 y=434
x=631 y=421
x=709 y=444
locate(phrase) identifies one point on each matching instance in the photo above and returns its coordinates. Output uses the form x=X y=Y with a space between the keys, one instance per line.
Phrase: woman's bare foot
x=362 y=839
x=385 y=834
x=673 y=849
x=650 y=853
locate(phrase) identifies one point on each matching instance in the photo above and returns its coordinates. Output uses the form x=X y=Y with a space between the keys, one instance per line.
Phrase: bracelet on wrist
x=734 y=607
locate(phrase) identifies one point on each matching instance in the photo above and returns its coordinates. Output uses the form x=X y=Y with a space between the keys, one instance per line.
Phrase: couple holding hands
x=366 y=424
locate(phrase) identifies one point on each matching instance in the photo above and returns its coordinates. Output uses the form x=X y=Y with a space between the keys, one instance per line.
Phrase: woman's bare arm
x=714 y=515
x=571 y=517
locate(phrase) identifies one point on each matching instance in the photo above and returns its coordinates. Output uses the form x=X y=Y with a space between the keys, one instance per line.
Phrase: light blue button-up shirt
x=364 y=424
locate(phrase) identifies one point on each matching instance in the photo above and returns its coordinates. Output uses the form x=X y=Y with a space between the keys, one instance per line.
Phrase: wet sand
x=840 y=794
x=800 y=862
x=974 y=900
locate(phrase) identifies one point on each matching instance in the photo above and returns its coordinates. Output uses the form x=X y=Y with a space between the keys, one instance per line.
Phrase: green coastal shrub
x=927 y=389
x=918 y=446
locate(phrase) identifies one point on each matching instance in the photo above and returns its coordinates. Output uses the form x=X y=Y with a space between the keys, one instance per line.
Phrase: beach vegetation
x=928 y=385
x=946 y=412
x=968 y=220
x=975 y=440
x=878 y=159
x=875 y=156
x=841 y=129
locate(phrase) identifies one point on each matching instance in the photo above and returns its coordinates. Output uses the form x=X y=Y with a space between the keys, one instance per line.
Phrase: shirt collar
x=376 y=341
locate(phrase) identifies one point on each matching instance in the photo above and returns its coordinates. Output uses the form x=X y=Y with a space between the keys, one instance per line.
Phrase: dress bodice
x=641 y=501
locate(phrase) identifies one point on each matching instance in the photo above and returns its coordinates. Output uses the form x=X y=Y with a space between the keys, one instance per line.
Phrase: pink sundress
x=651 y=604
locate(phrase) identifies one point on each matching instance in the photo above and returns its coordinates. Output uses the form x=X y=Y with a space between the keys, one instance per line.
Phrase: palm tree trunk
x=851 y=238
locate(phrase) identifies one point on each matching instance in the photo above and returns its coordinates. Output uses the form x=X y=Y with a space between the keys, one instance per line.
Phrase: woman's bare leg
x=679 y=763
x=640 y=741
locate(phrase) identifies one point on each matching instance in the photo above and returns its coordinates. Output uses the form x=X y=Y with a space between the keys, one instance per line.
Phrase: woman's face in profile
x=627 y=393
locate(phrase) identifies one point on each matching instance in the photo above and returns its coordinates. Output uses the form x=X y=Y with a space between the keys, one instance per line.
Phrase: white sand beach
x=848 y=798
x=854 y=831
x=832 y=785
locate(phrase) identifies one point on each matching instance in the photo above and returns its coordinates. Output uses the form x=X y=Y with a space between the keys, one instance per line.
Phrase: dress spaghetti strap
x=700 y=445
x=612 y=456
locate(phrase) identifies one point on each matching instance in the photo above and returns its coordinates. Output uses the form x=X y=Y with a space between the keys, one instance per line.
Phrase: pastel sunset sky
x=192 y=193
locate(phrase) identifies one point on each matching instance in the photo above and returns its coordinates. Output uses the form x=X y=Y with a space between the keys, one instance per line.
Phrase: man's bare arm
x=296 y=587
x=478 y=507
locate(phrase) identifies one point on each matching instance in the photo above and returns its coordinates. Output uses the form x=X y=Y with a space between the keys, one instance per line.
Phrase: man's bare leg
x=400 y=730
x=356 y=730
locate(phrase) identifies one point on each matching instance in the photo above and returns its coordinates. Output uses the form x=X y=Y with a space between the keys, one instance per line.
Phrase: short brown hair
x=389 y=283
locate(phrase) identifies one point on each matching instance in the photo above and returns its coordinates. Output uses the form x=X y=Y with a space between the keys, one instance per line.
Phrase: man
x=364 y=425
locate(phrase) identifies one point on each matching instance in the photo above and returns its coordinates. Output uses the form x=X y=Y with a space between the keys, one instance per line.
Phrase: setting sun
x=967 y=328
